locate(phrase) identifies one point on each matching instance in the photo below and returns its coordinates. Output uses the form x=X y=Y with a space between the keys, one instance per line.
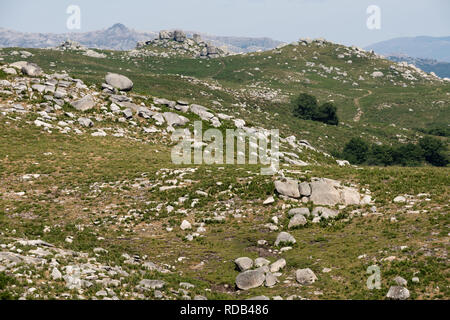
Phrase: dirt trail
x=359 y=112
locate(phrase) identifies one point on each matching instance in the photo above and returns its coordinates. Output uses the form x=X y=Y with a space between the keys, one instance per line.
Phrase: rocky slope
x=383 y=101
x=441 y=69
x=92 y=207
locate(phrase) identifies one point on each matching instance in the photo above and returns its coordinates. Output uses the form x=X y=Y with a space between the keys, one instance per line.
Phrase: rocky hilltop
x=178 y=44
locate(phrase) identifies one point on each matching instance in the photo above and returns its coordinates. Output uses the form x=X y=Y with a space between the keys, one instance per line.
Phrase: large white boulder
x=250 y=279
x=305 y=276
x=119 y=81
x=288 y=188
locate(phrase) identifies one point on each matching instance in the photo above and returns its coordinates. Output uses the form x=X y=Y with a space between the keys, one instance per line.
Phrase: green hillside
x=93 y=207
x=378 y=109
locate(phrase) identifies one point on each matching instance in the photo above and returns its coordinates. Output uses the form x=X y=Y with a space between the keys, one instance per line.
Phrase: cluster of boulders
x=22 y=53
x=75 y=272
x=399 y=291
x=412 y=73
x=258 y=272
x=308 y=41
x=322 y=191
x=22 y=67
x=70 y=45
x=408 y=72
x=115 y=102
x=264 y=273
x=178 y=44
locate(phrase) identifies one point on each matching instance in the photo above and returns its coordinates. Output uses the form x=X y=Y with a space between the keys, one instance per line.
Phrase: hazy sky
x=342 y=21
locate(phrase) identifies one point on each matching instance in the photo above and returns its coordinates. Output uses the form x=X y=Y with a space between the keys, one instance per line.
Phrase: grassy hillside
x=110 y=207
x=258 y=87
x=107 y=189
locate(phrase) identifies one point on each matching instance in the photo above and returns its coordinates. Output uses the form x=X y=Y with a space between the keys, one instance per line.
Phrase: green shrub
x=356 y=151
x=306 y=107
x=3 y=75
x=5 y=280
x=380 y=156
x=437 y=130
x=409 y=155
x=326 y=113
x=434 y=151
x=429 y=149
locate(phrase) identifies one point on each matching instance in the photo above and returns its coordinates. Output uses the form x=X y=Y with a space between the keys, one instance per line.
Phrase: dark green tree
x=326 y=113
x=434 y=151
x=380 y=155
x=410 y=155
x=356 y=151
x=305 y=106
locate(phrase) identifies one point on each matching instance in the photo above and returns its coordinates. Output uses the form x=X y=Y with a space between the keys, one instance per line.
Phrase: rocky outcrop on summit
x=177 y=43
x=75 y=46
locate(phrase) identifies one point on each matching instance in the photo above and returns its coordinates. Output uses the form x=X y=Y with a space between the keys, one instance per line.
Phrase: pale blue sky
x=342 y=21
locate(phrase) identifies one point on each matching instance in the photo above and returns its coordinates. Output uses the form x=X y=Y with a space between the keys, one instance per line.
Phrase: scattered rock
x=400 y=281
x=323 y=192
x=277 y=265
x=187 y=285
x=271 y=280
x=399 y=199
x=260 y=262
x=269 y=200
x=119 y=82
x=56 y=274
x=284 y=238
x=303 y=211
x=174 y=119
x=305 y=189
x=151 y=284
x=85 y=122
x=84 y=104
x=305 y=276
x=31 y=70
x=244 y=263
x=398 y=293
x=288 y=188
x=296 y=221
x=377 y=74
x=185 y=225
x=260 y=298
x=250 y=279
x=325 y=213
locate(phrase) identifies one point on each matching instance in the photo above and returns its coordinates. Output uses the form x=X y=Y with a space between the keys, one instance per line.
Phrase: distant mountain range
x=119 y=37
x=417 y=47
